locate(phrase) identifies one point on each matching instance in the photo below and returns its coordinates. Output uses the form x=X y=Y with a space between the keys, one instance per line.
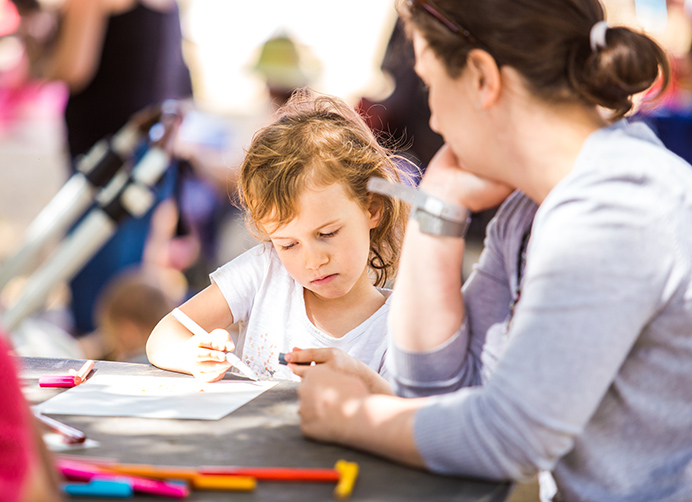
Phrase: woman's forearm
x=383 y=425
x=338 y=408
x=427 y=307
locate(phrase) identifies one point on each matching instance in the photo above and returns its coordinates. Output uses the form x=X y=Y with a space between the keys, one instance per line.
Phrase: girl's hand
x=336 y=359
x=207 y=355
x=329 y=400
x=447 y=179
x=340 y=361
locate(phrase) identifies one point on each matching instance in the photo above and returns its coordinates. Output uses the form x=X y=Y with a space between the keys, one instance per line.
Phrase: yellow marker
x=348 y=472
x=236 y=483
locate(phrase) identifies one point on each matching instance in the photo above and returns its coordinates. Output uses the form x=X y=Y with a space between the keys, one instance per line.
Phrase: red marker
x=276 y=473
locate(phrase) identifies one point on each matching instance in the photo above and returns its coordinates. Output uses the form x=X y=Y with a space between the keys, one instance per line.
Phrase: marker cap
x=56 y=381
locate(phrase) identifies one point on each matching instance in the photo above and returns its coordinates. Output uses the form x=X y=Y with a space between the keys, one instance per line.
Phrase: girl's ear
x=375 y=208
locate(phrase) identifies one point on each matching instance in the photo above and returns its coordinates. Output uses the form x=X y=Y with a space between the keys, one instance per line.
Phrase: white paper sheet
x=154 y=397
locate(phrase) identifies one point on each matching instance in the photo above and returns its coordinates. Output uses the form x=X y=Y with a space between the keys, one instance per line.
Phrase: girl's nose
x=315 y=257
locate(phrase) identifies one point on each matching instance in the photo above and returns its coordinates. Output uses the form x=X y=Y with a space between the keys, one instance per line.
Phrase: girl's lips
x=324 y=280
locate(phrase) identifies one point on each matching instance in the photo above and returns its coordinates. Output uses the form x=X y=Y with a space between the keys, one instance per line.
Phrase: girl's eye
x=330 y=234
x=286 y=248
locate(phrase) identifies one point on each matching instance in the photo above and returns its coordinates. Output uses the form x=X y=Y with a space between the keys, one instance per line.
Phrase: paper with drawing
x=154 y=397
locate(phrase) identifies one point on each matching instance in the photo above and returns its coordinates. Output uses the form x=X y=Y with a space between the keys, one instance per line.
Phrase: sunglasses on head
x=451 y=25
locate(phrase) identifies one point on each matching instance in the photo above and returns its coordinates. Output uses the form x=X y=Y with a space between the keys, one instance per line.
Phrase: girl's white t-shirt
x=269 y=306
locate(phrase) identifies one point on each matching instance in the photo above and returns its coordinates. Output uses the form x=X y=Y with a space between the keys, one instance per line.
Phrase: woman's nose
x=433 y=122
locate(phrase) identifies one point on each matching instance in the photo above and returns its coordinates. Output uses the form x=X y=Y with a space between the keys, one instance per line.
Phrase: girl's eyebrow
x=332 y=222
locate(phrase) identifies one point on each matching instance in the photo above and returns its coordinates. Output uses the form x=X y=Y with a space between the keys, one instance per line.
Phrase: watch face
x=434 y=216
x=435 y=225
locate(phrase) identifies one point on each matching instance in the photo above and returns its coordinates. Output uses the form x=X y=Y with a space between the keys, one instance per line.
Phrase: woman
x=594 y=382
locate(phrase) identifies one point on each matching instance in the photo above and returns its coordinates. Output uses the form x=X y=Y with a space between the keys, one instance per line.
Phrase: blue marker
x=114 y=488
x=282 y=360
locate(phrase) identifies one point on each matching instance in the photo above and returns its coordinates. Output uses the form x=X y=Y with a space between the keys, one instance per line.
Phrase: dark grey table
x=264 y=432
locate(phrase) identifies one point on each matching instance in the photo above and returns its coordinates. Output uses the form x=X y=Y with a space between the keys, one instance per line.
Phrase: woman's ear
x=375 y=208
x=486 y=78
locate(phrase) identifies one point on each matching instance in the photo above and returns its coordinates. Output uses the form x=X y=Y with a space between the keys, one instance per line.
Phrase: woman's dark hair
x=548 y=43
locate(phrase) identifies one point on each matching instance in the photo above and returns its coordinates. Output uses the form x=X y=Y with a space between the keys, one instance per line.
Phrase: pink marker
x=74 y=377
x=84 y=472
x=57 y=381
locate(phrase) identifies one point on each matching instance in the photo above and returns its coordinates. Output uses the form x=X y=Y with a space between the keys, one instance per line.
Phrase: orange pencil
x=83 y=372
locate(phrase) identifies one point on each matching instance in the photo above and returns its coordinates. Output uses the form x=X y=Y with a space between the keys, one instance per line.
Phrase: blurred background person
x=127 y=311
x=116 y=58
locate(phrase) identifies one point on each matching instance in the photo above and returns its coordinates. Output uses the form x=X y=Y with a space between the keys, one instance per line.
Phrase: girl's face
x=325 y=248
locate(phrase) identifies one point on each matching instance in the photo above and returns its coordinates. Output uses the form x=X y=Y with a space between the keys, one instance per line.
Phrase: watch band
x=434 y=216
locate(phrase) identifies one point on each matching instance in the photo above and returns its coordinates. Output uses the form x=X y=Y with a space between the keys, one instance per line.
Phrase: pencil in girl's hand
x=196 y=329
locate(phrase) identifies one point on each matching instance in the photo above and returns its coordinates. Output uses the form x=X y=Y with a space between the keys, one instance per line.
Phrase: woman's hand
x=339 y=361
x=207 y=355
x=337 y=408
x=446 y=179
x=329 y=400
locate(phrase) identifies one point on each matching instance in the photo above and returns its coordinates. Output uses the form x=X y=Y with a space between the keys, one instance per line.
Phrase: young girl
x=329 y=248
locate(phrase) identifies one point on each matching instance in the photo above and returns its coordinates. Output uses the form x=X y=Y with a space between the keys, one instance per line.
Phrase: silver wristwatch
x=435 y=217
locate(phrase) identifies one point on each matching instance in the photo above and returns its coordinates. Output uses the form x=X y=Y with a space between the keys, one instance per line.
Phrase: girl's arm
x=172 y=347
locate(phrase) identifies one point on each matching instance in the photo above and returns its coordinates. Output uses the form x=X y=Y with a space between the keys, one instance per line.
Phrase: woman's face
x=451 y=110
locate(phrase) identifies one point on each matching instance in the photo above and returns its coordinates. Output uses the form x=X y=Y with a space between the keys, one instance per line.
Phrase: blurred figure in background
x=215 y=145
x=116 y=57
x=670 y=115
x=128 y=310
x=403 y=117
